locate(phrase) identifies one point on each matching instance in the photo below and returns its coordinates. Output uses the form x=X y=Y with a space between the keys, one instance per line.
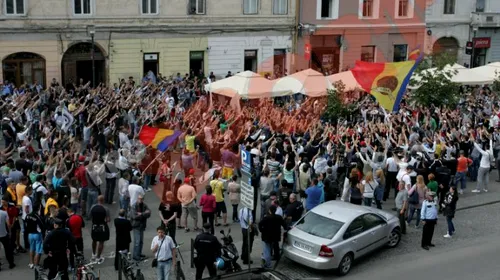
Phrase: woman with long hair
x=450 y=206
x=421 y=189
x=369 y=186
x=355 y=187
x=208 y=208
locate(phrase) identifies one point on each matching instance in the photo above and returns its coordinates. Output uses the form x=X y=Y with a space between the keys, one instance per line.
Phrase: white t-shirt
x=74 y=195
x=44 y=142
x=392 y=166
x=123 y=139
x=86 y=133
x=27 y=202
x=134 y=192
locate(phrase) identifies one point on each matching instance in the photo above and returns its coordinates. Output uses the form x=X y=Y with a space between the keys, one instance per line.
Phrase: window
x=403 y=8
x=250 y=7
x=449 y=7
x=372 y=220
x=367 y=8
x=400 y=53
x=280 y=7
x=149 y=7
x=14 y=7
x=480 y=6
x=319 y=226
x=327 y=9
x=356 y=227
x=196 y=7
x=82 y=7
x=368 y=53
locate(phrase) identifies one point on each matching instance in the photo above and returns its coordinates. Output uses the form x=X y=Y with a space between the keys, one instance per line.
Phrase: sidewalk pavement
x=106 y=270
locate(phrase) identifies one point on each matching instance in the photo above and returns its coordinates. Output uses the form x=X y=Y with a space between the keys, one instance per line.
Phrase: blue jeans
x=474 y=169
x=138 y=243
x=147 y=181
x=91 y=199
x=266 y=254
x=124 y=203
x=460 y=177
x=163 y=270
x=451 y=227
x=368 y=201
x=413 y=209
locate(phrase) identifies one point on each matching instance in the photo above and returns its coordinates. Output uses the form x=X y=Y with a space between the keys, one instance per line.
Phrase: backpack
x=37 y=196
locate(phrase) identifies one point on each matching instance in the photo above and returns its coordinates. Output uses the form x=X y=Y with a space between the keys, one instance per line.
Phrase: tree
x=434 y=87
x=496 y=83
x=335 y=106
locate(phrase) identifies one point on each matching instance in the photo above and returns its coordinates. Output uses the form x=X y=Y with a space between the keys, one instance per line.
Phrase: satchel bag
x=154 y=263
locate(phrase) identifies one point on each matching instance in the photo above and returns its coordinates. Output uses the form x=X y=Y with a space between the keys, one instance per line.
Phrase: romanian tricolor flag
x=158 y=138
x=386 y=81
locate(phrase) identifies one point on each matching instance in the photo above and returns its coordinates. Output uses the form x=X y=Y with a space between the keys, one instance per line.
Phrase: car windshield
x=319 y=226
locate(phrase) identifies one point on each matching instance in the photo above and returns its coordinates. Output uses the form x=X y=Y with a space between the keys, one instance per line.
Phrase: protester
x=234 y=190
x=168 y=211
x=186 y=194
x=99 y=215
x=139 y=214
x=208 y=208
x=450 y=206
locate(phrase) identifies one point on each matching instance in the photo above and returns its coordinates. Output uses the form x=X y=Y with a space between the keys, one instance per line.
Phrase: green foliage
x=435 y=87
x=496 y=83
x=335 y=106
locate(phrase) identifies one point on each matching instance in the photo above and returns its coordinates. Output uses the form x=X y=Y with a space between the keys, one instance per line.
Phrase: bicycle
x=84 y=271
x=127 y=265
x=42 y=274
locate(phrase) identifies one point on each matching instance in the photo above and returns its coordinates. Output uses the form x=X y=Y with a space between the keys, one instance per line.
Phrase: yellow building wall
x=126 y=56
x=48 y=49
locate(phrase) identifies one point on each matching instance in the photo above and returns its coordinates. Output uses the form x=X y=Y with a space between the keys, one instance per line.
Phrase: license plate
x=302 y=246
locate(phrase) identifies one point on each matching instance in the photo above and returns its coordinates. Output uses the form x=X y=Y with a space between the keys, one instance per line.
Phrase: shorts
x=227 y=172
x=221 y=207
x=36 y=243
x=100 y=233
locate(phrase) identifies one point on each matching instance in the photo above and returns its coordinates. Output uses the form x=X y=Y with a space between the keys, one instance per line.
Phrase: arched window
x=448 y=45
x=24 y=68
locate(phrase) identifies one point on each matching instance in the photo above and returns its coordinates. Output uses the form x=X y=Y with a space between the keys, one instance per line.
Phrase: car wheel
x=394 y=238
x=345 y=264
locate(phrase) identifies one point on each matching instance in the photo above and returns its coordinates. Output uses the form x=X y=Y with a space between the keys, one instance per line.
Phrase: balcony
x=486 y=19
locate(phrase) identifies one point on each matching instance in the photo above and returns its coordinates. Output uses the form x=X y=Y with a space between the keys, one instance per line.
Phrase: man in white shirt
x=391 y=182
x=246 y=221
x=134 y=190
x=27 y=204
x=165 y=252
x=123 y=184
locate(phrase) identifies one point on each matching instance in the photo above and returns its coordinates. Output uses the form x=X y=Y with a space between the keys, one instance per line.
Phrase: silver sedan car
x=334 y=233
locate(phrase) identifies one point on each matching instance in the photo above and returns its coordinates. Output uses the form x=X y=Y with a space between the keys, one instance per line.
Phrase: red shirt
x=12 y=212
x=208 y=203
x=75 y=225
x=80 y=175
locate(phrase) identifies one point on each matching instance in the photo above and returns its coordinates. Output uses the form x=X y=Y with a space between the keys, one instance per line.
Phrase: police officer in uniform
x=428 y=215
x=55 y=245
x=208 y=249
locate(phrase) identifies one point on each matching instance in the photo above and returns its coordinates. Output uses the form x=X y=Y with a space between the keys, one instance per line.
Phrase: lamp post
x=91 y=33
x=474 y=29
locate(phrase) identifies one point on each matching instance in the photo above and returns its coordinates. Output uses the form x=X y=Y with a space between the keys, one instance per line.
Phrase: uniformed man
x=56 y=245
x=208 y=249
x=428 y=215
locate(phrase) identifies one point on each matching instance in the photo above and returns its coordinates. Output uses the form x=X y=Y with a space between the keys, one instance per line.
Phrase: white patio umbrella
x=308 y=82
x=491 y=70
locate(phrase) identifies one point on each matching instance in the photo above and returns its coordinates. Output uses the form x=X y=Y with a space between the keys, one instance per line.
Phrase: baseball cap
x=191 y=171
x=187 y=180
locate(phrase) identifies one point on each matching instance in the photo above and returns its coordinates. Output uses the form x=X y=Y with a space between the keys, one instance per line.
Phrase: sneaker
x=100 y=260
x=31 y=266
x=94 y=258
x=447 y=236
x=484 y=190
x=476 y=191
x=460 y=191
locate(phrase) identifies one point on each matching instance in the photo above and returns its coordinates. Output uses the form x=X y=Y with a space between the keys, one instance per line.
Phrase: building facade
x=336 y=33
x=485 y=27
x=45 y=39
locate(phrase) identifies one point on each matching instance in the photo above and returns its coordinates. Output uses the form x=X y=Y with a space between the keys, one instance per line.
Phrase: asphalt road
x=472 y=254
x=471 y=250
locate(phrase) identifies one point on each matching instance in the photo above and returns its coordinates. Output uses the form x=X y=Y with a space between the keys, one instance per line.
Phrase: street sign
x=247 y=194
x=246 y=161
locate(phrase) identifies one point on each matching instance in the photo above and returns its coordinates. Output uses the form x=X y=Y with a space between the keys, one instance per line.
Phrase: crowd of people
x=68 y=148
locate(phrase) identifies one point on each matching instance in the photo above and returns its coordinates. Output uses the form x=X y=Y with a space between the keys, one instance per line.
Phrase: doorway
x=196 y=62
x=250 y=63
x=77 y=64
x=150 y=63
x=279 y=61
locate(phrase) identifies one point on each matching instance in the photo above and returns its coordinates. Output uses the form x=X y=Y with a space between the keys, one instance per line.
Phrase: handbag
x=154 y=263
x=414 y=197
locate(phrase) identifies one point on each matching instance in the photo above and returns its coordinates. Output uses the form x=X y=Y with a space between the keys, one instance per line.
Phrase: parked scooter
x=229 y=253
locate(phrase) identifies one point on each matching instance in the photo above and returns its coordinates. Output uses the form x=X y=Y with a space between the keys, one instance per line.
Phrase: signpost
x=247 y=195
